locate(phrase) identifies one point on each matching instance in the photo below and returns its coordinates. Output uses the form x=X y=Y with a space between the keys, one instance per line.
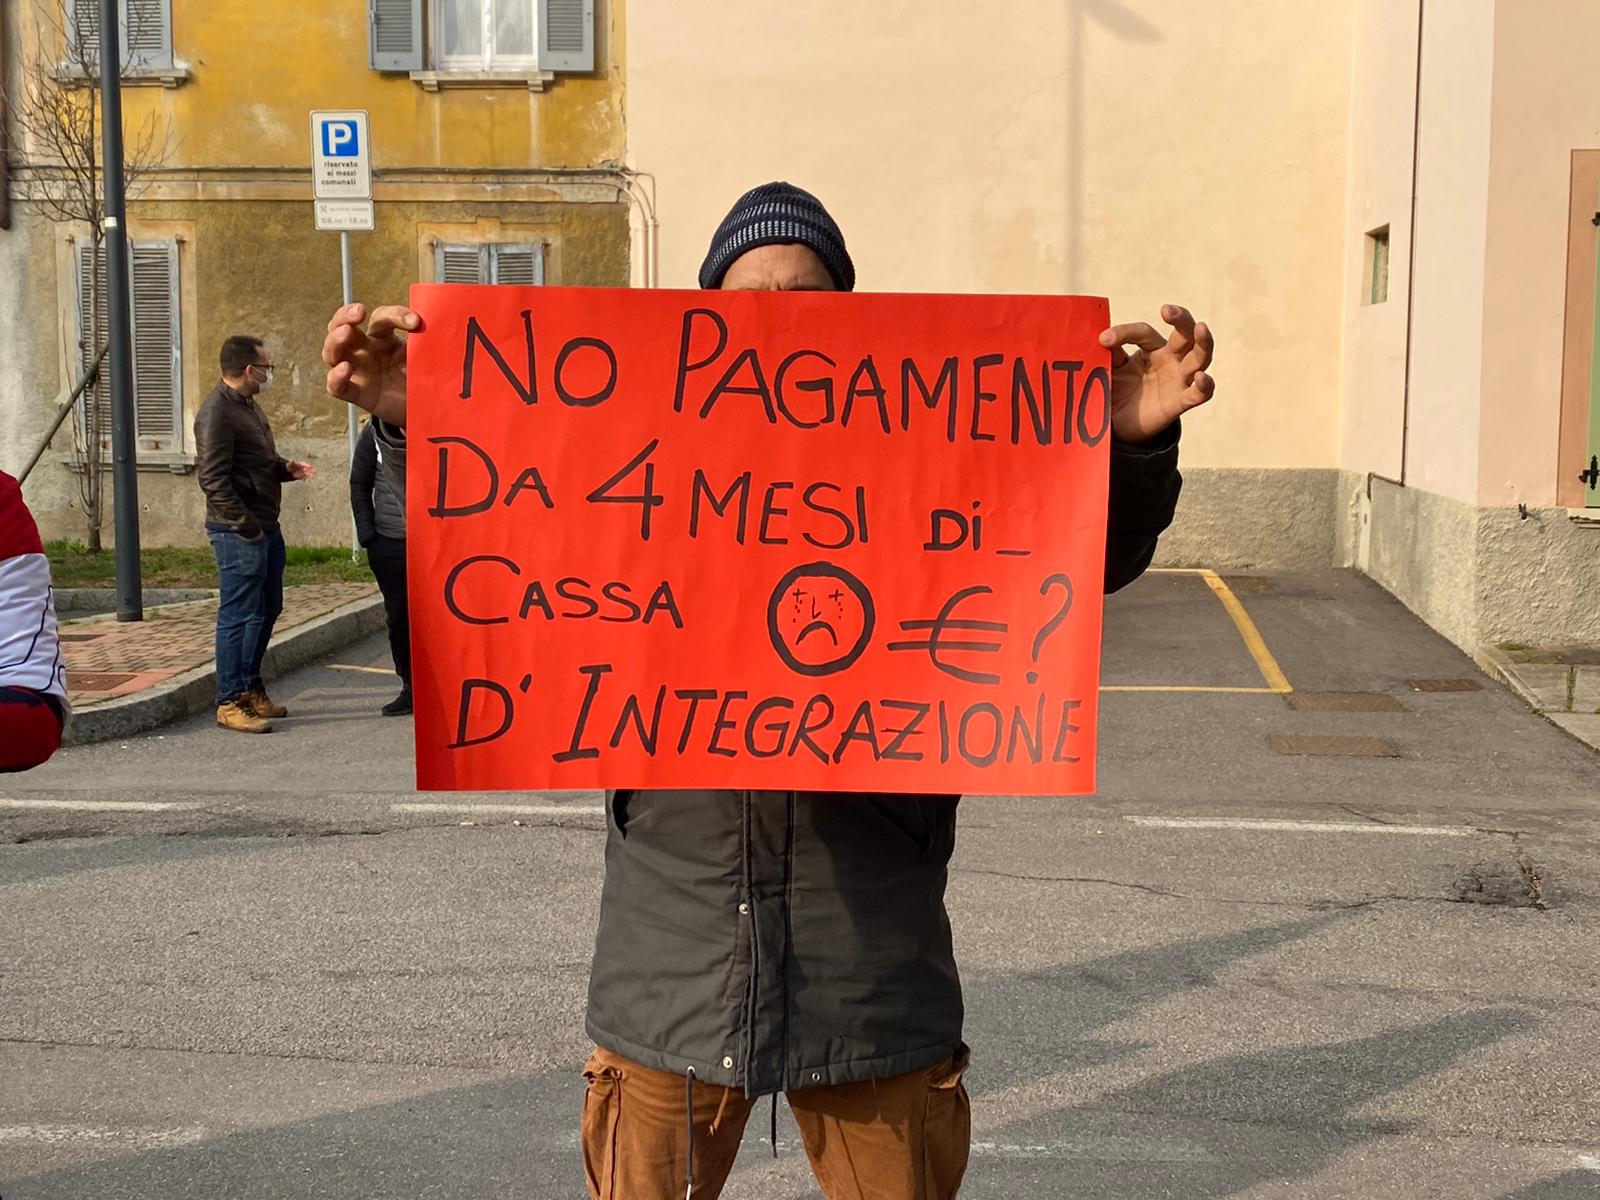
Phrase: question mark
x=1054 y=622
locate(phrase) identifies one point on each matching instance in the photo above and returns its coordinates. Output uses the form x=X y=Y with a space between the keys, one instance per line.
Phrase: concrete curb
x=1582 y=727
x=72 y=602
x=1499 y=667
x=196 y=690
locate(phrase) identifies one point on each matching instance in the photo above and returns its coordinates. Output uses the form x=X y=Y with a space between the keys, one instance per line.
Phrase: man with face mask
x=753 y=942
x=242 y=476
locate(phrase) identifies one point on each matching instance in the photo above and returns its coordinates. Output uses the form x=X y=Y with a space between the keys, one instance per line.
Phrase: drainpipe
x=1411 y=244
x=1411 y=263
x=5 y=137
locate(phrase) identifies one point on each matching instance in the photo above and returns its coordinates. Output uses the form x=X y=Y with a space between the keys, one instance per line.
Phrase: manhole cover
x=1444 y=685
x=1249 y=583
x=1321 y=746
x=96 y=681
x=1343 y=702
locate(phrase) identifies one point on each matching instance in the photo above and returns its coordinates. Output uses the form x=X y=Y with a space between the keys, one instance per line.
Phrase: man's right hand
x=367 y=367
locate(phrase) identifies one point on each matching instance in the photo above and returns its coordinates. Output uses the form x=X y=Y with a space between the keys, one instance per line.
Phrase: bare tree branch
x=57 y=118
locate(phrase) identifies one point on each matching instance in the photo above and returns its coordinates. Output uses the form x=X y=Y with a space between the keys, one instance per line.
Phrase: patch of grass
x=72 y=566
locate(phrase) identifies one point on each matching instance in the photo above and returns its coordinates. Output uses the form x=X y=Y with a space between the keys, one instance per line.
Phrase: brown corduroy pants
x=903 y=1138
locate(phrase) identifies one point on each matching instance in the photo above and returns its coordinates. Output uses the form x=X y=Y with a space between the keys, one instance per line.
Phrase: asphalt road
x=1234 y=972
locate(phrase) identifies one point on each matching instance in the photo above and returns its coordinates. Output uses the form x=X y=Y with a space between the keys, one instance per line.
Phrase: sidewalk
x=1560 y=682
x=123 y=677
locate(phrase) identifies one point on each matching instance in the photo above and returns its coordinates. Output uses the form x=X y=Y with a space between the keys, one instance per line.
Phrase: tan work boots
x=258 y=702
x=241 y=718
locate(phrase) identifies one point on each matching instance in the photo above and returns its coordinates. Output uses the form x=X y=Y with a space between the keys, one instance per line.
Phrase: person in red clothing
x=33 y=679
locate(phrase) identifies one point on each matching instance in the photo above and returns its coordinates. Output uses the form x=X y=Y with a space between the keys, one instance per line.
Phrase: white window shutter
x=566 y=35
x=523 y=265
x=157 y=350
x=395 y=35
x=83 y=28
x=92 y=336
x=460 y=264
x=147 y=33
x=146 y=28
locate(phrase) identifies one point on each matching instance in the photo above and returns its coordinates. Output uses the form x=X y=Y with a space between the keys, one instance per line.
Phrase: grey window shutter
x=460 y=264
x=147 y=33
x=146 y=28
x=517 y=264
x=83 y=28
x=157 y=349
x=566 y=35
x=91 y=336
x=395 y=39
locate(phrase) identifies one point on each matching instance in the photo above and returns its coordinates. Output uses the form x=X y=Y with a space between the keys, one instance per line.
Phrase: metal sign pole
x=350 y=409
x=341 y=189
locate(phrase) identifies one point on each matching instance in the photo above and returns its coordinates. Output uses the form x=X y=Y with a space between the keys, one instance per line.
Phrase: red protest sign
x=756 y=539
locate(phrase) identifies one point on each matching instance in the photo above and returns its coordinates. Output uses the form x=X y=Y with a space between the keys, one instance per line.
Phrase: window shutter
x=566 y=35
x=147 y=33
x=460 y=264
x=522 y=265
x=91 y=336
x=146 y=27
x=395 y=41
x=157 y=359
x=83 y=28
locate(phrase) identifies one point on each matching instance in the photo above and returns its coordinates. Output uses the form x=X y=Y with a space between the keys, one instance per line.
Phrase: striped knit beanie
x=778 y=214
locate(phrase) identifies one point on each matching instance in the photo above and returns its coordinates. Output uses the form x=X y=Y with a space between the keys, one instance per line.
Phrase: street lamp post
x=124 y=465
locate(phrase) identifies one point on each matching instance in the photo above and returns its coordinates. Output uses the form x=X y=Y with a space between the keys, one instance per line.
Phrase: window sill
x=167 y=77
x=435 y=81
x=172 y=462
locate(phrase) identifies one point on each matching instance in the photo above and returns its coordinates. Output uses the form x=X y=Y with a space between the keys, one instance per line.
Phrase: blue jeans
x=252 y=597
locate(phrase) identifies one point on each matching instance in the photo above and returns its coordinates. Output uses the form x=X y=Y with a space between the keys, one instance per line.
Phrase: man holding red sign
x=752 y=942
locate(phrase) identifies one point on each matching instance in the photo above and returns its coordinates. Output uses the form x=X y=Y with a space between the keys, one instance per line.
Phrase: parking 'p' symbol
x=339 y=139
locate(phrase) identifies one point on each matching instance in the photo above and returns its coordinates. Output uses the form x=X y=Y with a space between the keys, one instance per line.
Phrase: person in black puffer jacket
x=752 y=942
x=380 y=514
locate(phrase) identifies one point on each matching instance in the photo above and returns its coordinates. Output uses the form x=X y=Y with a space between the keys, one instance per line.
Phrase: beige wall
x=1546 y=104
x=1033 y=146
x=1447 y=334
x=1382 y=124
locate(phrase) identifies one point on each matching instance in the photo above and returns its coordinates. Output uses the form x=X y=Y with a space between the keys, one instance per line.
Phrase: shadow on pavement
x=509 y=1137
x=1574 y=1185
x=1225 y=1126
x=1051 y=1014
x=42 y=858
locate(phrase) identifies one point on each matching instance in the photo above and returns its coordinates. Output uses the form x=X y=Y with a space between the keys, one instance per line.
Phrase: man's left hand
x=301 y=470
x=1163 y=377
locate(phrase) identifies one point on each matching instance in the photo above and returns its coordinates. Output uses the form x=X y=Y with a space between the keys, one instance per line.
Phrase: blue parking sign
x=340 y=139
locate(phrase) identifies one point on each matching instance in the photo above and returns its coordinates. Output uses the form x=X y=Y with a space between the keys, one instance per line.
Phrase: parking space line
x=1262 y=825
x=352 y=667
x=96 y=805
x=1183 y=687
x=1277 y=682
x=520 y=810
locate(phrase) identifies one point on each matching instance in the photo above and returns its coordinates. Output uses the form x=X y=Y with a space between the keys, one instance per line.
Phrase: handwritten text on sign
x=753 y=539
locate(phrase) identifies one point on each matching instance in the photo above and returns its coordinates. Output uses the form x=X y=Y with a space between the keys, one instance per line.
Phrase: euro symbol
x=936 y=642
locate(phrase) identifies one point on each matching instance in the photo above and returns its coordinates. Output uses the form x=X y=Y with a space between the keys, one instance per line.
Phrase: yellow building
x=497 y=131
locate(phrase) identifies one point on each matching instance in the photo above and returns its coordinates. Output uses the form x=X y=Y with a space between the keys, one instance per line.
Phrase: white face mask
x=265 y=383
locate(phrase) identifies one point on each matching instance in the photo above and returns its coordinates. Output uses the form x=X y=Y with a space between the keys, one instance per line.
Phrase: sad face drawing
x=820 y=619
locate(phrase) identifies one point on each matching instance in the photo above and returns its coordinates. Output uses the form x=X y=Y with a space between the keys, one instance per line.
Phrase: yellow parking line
x=1253 y=641
x=1162 y=687
x=368 y=670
